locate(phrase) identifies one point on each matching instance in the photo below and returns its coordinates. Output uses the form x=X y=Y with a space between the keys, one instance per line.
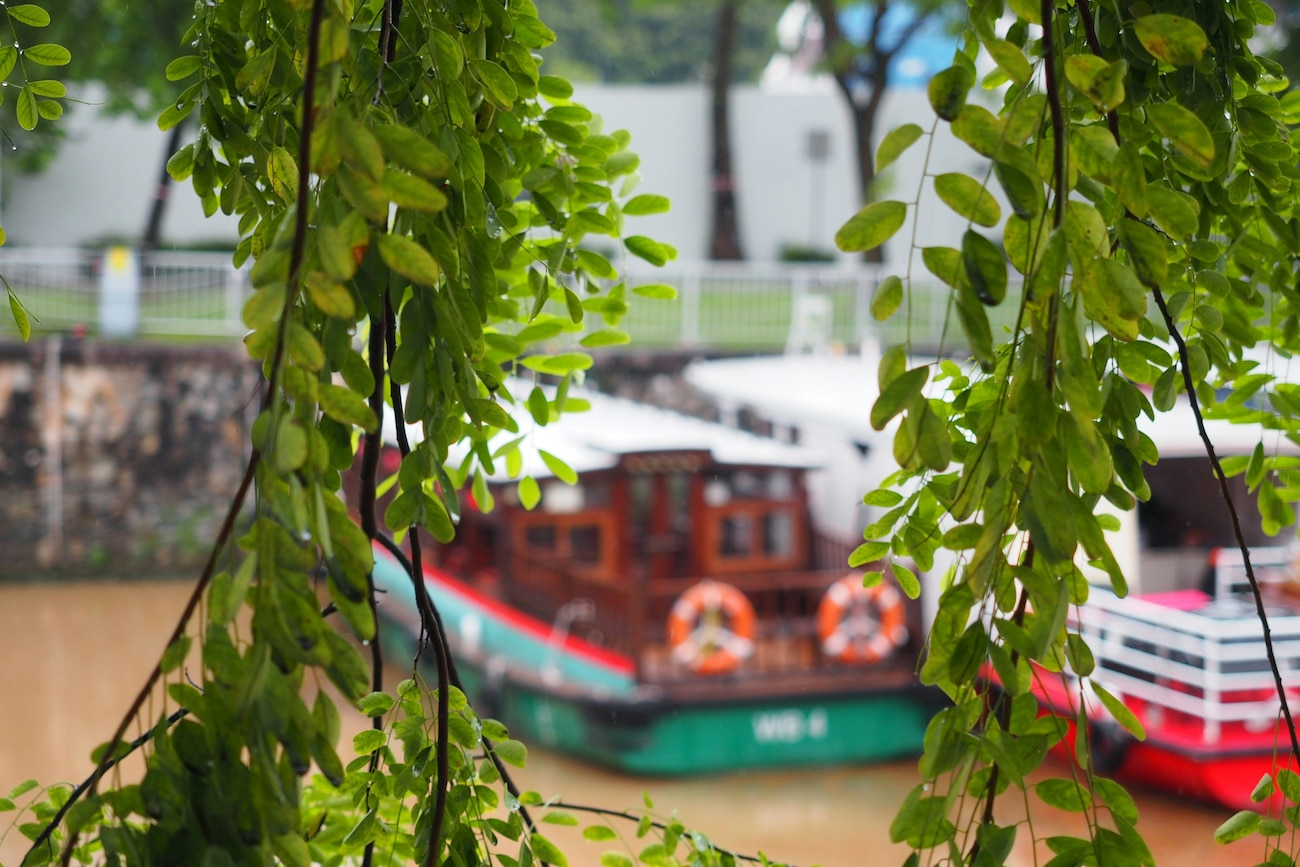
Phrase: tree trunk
x=865 y=114
x=725 y=240
x=158 y=207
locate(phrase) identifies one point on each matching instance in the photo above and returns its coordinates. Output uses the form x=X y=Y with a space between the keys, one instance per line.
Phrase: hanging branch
x=1189 y=386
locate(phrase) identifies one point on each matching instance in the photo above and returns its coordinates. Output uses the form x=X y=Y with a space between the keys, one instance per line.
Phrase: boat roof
x=613 y=427
x=838 y=390
x=835 y=390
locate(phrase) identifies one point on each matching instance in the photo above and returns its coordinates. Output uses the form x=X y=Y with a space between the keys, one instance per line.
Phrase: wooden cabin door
x=660 y=524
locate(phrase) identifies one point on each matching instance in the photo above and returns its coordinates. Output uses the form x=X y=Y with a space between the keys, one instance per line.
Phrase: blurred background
x=124 y=422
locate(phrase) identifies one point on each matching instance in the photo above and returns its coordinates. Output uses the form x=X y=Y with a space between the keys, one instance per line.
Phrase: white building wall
x=101 y=183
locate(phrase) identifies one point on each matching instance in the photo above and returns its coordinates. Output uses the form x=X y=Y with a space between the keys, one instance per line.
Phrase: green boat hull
x=656 y=737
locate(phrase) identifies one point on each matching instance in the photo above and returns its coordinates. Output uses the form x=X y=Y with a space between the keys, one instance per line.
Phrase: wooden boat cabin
x=687 y=548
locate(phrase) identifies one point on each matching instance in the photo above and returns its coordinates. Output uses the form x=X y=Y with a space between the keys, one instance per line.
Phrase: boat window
x=746 y=485
x=541 y=536
x=599 y=495
x=639 y=493
x=736 y=539
x=780 y=485
x=778 y=534
x=584 y=543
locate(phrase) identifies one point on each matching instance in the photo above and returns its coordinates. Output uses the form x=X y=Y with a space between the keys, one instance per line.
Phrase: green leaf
x=1184 y=130
x=562 y=471
x=615 y=859
x=1264 y=789
x=872 y=226
x=409 y=191
x=47 y=54
x=367 y=741
x=32 y=16
x=559 y=817
x=498 y=87
x=967 y=197
x=530 y=493
x=283 y=174
x=1011 y=60
x=1064 y=794
x=20 y=317
x=408 y=258
x=1172 y=39
x=1147 y=252
x=8 y=59
x=512 y=753
x=1173 y=211
x=1238 y=827
x=1100 y=82
x=948 y=91
x=175 y=654
x=182 y=67
x=650 y=250
x=26 y=109
x=887 y=298
x=332 y=297
x=375 y=704
x=599 y=833
x=346 y=406
x=895 y=142
x=898 y=395
x=1120 y=712
x=646 y=204
x=656 y=290
x=976 y=125
x=412 y=151
x=986 y=268
x=1024 y=192
x=606 y=337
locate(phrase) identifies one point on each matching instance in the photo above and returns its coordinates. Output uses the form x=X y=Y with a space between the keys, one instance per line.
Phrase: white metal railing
x=1208 y=663
x=747 y=306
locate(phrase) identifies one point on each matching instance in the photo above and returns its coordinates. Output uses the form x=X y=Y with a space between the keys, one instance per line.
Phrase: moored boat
x=1184 y=651
x=675 y=610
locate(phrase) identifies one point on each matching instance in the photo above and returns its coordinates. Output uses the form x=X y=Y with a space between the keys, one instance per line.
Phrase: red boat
x=1191 y=667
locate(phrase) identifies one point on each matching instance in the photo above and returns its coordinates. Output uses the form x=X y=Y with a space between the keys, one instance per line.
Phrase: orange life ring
x=859 y=624
x=711 y=628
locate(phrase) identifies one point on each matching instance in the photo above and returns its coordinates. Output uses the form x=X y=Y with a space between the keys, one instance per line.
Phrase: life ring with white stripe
x=861 y=625
x=711 y=628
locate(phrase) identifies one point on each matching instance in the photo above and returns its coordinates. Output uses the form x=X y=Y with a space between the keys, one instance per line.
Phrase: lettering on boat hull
x=789 y=726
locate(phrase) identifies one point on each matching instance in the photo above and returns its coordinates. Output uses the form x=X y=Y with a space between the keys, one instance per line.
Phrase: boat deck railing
x=1208 y=664
x=631 y=618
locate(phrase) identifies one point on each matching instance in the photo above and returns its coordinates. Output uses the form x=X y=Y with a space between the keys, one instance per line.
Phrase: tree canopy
x=414 y=196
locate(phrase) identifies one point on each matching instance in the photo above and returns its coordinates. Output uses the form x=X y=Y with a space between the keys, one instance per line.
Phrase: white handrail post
x=690 y=299
x=234 y=299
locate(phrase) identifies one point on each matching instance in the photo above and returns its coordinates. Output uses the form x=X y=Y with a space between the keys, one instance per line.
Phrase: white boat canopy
x=613 y=427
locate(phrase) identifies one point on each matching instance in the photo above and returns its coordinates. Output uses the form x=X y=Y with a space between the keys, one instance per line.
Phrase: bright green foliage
x=418 y=219
x=1146 y=154
x=21 y=56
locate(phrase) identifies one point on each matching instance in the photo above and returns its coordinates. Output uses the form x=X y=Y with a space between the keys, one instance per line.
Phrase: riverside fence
x=745 y=306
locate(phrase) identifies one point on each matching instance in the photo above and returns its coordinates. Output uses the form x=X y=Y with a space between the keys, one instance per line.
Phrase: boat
x=1183 y=650
x=673 y=610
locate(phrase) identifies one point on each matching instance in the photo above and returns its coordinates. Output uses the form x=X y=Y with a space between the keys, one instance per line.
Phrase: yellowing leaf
x=283 y=172
x=887 y=298
x=967 y=197
x=895 y=143
x=409 y=259
x=1184 y=130
x=1011 y=59
x=1173 y=39
x=948 y=91
x=872 y=226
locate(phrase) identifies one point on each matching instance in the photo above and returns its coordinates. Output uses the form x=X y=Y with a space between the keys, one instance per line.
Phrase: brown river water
x=73 y=656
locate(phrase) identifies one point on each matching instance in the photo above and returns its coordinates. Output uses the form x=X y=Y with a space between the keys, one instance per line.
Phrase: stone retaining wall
x=118 y=458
